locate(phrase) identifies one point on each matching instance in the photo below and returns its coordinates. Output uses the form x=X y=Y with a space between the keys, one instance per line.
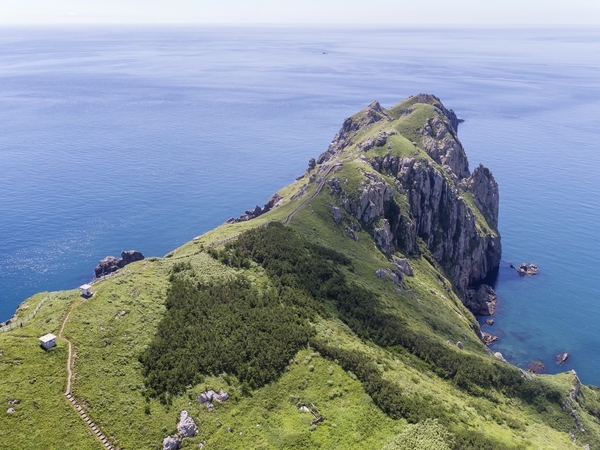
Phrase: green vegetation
x=229 y=327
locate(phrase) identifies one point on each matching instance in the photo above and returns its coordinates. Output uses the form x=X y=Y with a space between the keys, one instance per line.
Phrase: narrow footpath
x=291 y=215
x=93 y=427
x=317 y=191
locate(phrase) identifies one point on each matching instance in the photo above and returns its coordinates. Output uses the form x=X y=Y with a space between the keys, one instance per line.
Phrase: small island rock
x=561 y=358
x=527 y=269
x=488 y=338
x=536 y=367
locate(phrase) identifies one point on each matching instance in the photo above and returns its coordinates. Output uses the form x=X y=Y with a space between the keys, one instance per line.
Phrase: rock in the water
x=186 y=426
x=481 y=302
x=488 y=338
x=527 y=269
x=536 y=367
x=111 y=264
x=561 y=358
x=490 y=321
x=171 y=443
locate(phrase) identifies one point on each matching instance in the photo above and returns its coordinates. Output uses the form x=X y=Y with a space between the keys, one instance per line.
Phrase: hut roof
x=47 y=338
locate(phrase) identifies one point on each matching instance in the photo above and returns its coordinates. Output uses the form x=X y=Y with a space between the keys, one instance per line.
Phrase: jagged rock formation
x=273 y=202
x=481 y=301
x=171 y=443
x=186 y=426
x=111 y=264
x=344 y=137
x=485 y=192
x=434 y=198
x=210 y=395
x=528 y=269
x=488 y=339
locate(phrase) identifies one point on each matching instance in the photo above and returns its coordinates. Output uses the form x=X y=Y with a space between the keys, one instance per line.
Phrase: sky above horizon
x=306 y=12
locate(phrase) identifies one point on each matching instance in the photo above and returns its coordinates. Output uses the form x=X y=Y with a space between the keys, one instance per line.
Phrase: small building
x=48 y=341
x=86 y=290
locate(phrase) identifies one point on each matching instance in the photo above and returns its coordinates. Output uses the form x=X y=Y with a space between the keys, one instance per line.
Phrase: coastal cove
x=146 y=138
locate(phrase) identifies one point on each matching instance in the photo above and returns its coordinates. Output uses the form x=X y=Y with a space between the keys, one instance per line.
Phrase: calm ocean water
x=121 y=138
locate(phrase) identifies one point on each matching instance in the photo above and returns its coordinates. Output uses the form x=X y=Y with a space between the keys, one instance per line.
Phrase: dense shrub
x=228 y=327
x=427 y=435
x=293 y=262
x=206 y=327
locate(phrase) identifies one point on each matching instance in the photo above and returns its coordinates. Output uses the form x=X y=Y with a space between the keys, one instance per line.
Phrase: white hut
x=86 y=290
x=47 y=341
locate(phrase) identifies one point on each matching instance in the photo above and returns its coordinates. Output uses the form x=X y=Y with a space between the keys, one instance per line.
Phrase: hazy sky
x=401 y=12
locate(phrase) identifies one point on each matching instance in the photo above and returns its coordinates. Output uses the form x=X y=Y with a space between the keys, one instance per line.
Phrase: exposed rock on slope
x=273 y=202
x=481 y=301
x=485 y=191
x=186 y=427
x=433 y=196
x=374 y=113
x=111 y=264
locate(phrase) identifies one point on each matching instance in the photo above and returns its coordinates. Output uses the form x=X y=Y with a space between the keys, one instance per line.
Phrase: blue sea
x=116 y=138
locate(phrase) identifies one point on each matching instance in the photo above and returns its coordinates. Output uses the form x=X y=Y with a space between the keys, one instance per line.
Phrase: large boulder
x=528 y=269
x=171 y=443
x=481 y=301
x=111 y=264
x=130 y=256
x=106 y=266
x=186 y=426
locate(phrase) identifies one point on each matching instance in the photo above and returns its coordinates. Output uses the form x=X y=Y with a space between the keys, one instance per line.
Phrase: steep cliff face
x=424 y=193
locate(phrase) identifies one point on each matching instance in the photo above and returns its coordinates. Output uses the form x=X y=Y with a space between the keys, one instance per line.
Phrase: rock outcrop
x=484 y=188
x=481 y=301
x=186 y=426
x=111 y=264
x=561 y=358
x=273 y=202
x=528 y=269
x=210 y=395
x=536 y=367
x=488 y=338
x=431 y=199
x=171 y=443
x=440 y=142
x=344 y=137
